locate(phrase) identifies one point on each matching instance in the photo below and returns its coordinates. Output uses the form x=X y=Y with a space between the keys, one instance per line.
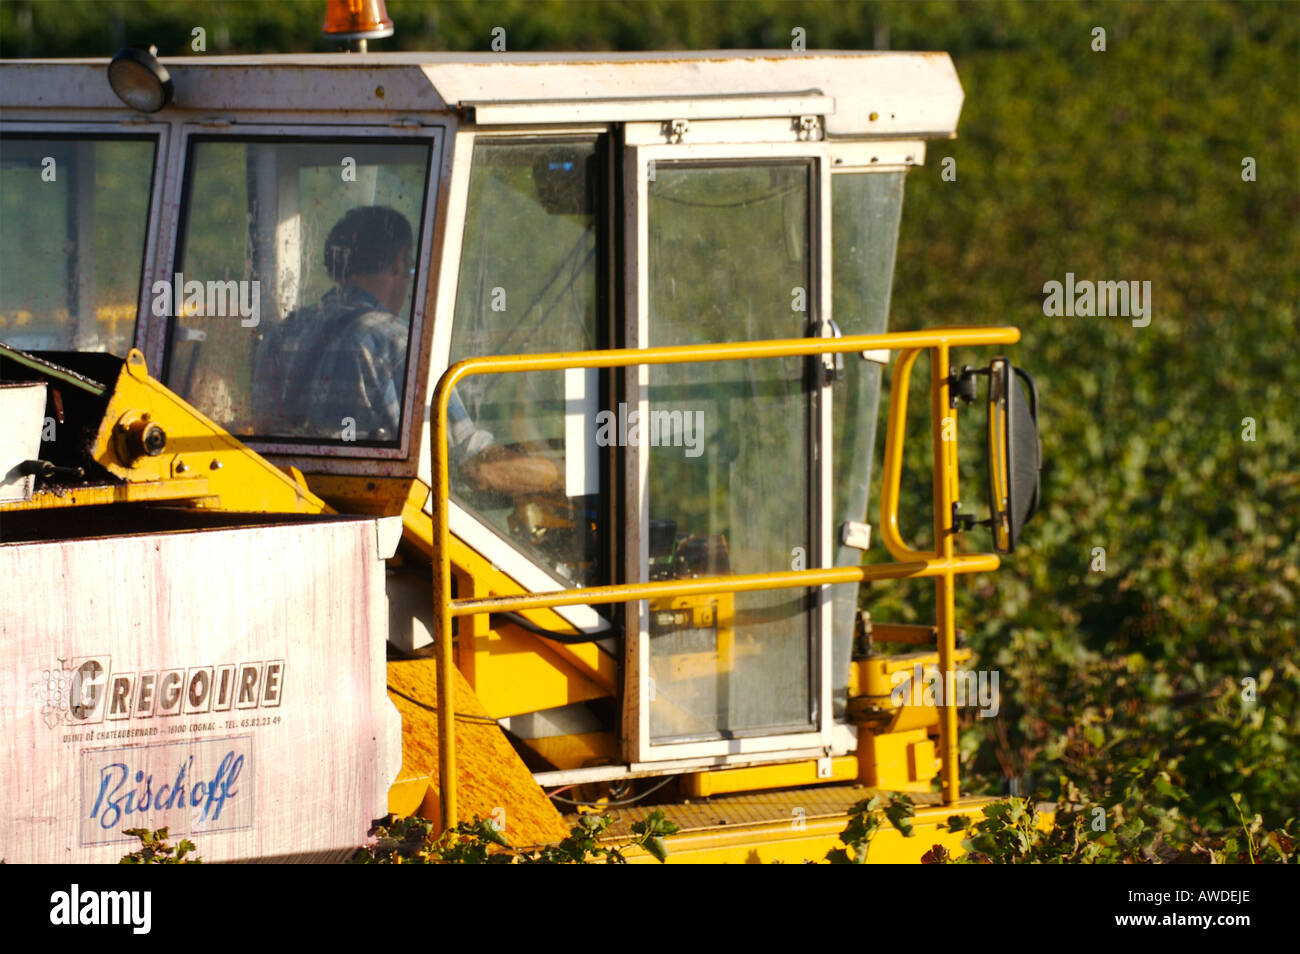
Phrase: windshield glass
x=73 y=218
x=292 y=296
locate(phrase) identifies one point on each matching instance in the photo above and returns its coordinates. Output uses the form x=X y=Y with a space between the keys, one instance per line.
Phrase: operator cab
x=553 y=204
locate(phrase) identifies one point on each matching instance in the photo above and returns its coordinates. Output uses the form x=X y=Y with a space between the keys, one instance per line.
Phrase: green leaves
x=410 y=841
x=651 y=833
x=864 y=823
x=154 y=849
x=900 y=812
x=1142 y=428
x=1140 y=831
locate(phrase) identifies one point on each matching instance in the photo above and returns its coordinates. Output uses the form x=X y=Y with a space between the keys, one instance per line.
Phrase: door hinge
x=676 y=130
x=855 y=534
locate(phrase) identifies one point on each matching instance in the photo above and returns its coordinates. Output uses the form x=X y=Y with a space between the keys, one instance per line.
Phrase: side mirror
x=1015 y=453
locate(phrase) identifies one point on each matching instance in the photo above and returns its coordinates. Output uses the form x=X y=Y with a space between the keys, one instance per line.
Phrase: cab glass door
x=728 y=472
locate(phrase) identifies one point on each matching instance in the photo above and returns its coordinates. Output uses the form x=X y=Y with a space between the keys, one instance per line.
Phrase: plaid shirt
x=342 y=358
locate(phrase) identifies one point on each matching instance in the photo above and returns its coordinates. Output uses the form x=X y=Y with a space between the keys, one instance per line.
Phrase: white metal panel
x=876 y=155
x=721 y=131
x=638 y=109
x=887 y=94
x=884 y=94
x=636 y=551
x=581 y=404
x=22 y=408
x=444 y=277
x=824 y=461
x=601 y=773
x=299 y=607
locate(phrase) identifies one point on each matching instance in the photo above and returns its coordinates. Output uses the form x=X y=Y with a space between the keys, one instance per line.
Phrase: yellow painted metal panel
x=516 y=672
x=374 y=495
x=193 y=489
x=877 y=672
x=758 y=777
x=793 y=837
x=583 y=658
x=236 y=477
x=887 y=761
x=922 y=763
x=407 y=794
x=580 y=750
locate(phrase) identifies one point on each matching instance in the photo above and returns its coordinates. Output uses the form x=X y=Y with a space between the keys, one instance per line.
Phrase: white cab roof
x=862 y=95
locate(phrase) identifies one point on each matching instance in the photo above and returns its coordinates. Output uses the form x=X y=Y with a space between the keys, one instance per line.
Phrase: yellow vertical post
x=944 y=432
x=442 y=635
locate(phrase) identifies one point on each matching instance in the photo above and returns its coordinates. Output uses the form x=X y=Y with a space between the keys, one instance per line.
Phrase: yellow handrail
x=748 y=583
x=943 y=565
x=893 y=465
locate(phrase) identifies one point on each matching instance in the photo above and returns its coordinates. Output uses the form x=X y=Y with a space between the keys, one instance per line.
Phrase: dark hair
x=365 y=241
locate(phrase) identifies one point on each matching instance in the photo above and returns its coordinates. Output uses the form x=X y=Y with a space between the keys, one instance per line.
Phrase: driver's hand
x=500 y=470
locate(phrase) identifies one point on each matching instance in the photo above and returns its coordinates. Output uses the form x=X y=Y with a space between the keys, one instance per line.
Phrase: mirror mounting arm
x=961 y=522
x=962 y=385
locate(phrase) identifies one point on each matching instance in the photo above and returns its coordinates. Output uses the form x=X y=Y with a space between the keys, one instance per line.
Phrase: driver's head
x=365 y=242
x=371 y=248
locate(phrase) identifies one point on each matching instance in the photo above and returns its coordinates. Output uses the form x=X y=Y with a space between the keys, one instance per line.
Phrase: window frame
x=413 y=404
x=463 y=522
x=638 y=744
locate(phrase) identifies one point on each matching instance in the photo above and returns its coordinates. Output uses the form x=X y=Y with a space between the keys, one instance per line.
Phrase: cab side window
x=76 y=210
x=295 y=284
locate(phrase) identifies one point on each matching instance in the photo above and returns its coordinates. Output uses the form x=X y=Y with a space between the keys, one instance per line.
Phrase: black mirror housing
x=1014 y=452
